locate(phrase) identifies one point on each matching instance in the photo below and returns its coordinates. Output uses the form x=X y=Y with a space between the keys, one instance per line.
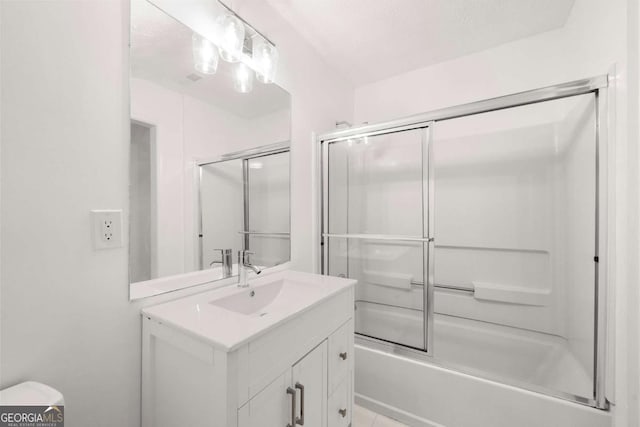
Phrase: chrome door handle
x=343 y=356
x=343 y=412
x=301 y=419
x=292 y=392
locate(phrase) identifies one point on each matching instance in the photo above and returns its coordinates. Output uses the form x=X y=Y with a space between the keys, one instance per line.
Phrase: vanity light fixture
x=205 y=55
x=242 y=78
x=230 y=32
x=265 y=60
x=230 y=41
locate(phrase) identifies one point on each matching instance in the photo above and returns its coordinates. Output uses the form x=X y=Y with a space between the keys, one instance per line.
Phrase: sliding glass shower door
x=475 y=235
x=377 y=230
x=515 y=235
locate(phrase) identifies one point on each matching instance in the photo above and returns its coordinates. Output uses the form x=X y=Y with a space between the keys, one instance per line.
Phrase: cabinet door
x=270 y=407
x=310 y=380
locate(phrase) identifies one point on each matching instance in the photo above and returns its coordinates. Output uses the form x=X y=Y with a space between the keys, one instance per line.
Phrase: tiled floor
x=363 y=417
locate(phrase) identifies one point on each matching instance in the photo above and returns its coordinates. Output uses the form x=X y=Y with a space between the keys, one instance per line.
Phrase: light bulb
x=265 y=59
x=243 y=78
x=205 y=55
x=231 y=36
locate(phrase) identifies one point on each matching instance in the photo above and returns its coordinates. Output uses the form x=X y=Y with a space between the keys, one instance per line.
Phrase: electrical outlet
x=107 y=228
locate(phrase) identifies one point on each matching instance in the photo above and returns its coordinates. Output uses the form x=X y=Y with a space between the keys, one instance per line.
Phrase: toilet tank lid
x=31 y=393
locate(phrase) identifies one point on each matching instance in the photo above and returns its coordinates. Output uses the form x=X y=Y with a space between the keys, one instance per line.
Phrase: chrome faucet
x=226 y=262
x=243 y=265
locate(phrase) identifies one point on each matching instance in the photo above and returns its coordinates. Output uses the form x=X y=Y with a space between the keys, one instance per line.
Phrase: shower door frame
x=427 y=226
x=599 y=86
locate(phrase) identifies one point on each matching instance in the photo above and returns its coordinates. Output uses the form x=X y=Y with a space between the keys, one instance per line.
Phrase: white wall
x=65 y=318
x=275 y=127
x=595 y=38
x=65 y=315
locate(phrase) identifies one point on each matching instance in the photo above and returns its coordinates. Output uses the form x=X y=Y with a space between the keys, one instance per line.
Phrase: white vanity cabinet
x=306 y=358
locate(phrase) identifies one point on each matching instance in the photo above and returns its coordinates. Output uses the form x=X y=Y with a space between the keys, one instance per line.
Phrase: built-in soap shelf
x=511 y=294
x=483 y=291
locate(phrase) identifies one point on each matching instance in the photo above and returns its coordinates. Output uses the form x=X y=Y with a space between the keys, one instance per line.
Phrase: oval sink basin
x=251 y=301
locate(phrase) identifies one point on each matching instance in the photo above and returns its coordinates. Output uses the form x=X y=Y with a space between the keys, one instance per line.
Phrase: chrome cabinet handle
x=301 y=419
x=292 y=392
x=343 y=356
x=343 y=412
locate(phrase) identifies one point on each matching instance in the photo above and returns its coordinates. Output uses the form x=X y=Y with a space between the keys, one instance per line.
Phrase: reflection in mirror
x=182 y=117
x=267 y=229
x=256 y=187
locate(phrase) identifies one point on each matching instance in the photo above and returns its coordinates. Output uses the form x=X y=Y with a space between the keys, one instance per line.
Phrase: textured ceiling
x=161 y=53
x=369 y=40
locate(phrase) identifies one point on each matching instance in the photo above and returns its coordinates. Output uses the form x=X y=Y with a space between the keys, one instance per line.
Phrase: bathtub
x=421 y=391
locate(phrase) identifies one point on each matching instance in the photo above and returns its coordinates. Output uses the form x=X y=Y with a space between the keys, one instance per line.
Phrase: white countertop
x=226 y=329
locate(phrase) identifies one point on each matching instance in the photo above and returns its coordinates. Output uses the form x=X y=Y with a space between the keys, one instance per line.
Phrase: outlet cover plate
x=106 y=229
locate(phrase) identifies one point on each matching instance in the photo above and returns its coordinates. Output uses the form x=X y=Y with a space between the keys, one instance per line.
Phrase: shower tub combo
x=476 y=234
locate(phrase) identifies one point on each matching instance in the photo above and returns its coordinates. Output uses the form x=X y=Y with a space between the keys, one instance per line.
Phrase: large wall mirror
x=209 y=164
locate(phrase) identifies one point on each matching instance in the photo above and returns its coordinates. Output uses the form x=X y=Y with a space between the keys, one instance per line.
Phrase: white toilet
x=31 y=393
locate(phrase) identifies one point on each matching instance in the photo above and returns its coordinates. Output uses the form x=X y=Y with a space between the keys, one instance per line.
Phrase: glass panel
x=268 y=203
x=375 y=184
x=222 y=204
x=389 y=293
x=515 y=225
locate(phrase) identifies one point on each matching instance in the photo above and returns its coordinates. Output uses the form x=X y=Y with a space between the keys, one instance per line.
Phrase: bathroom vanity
x=277 y=353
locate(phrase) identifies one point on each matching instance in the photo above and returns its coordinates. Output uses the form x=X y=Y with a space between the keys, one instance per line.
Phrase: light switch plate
x=107 y=228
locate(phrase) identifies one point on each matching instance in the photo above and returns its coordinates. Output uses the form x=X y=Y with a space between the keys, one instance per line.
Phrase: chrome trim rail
x=264 y=233
x=377 y=237
x=548 y=93
x=263 y=150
